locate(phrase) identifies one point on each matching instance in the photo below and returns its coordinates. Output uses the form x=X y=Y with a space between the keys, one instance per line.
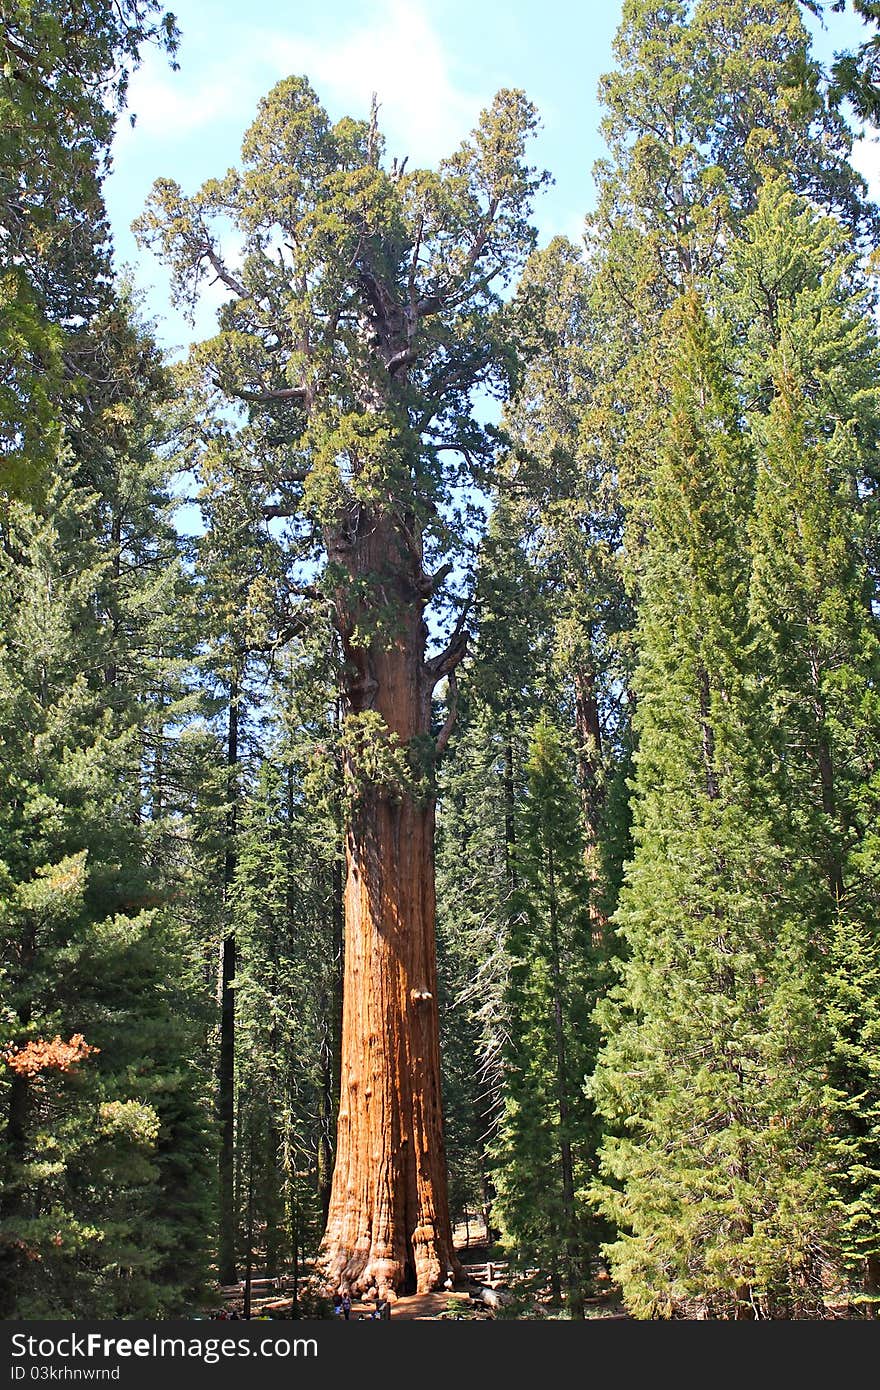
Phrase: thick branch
x=431 y=303
x=430 y=583
x=454 y=651
x=449 y=725
x=280 y=509
x=223 y=274
x=404 y=358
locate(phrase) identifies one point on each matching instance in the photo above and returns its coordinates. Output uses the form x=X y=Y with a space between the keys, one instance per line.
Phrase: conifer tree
x=546 y=1146
x=705 y=98
x=562 y=493
x=712 y=1035
x=97 y=1132
x=284 y=910
x=365 y=313
x=64 y=71
x=811 y=364
x=478 y=817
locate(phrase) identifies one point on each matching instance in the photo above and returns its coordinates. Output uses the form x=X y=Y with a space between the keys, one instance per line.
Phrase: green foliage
x=285 y=989
x=818 y=646
x=63 y=76
x=854 y=74
x=479 y=789
x=545 y=1151
x=366 y=311
x=710 y=1035
x=669 y=715
x=755 y=687
x=104 y=1162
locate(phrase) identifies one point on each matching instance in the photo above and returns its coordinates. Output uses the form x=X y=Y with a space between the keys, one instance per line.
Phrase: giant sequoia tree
x=363 y=312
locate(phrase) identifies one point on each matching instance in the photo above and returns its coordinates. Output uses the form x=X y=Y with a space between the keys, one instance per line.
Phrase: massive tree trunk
x=388 y=1224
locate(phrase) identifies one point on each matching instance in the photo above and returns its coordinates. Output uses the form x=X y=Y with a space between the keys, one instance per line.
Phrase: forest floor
x=418 y=1305
x=485 y=1274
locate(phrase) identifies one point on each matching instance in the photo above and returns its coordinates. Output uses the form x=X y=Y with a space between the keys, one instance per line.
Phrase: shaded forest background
x=658 y=863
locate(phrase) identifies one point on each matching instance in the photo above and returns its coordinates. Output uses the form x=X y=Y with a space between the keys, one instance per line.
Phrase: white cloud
x=398 y=55
x=866 y=159
x=170 y=104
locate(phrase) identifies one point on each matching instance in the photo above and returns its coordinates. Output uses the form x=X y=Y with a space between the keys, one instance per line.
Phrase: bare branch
x=452 y=711
x=430 y=583
x=229 y=280
x=454 y=651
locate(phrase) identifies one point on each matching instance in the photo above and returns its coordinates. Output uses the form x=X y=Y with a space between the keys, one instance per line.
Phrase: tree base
x=424 y=1270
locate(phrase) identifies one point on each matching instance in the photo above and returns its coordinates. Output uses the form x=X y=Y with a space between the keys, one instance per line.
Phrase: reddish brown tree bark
x=388 y=1225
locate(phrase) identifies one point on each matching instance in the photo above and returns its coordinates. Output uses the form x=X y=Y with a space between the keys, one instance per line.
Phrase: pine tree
x=478 y=816
x=705 y=98
x=287 y=997
x=63 y=77
x=481 y=783
x=712 y=1036
x=562 y=492
x=811 y=360
x=95 y=1138
x=546 y=1147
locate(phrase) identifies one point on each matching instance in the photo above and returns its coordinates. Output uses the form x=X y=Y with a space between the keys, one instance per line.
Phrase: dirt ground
x=419 y=1305
x=472 y=1249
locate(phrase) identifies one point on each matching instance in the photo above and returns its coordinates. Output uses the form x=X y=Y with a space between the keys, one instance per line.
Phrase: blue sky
x=433 y=63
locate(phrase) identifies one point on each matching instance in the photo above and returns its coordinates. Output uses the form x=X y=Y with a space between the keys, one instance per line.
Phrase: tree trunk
x=226 y=1064
x=272 y=1199
x=573 y=1261
x=388 y=1224
x=331 y=1039
x=325 y=1112
x=249 y=1252
x=589 y=751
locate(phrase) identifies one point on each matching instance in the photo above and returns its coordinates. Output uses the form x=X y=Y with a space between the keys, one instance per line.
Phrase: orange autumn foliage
x=42 y=1055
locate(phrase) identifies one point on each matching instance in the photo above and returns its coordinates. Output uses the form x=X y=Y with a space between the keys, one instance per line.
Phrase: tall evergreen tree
x=365 y=314
x=102 y=1107
x=712 y=1035
x=562 y=491
x=812 y=362
x=283 y=909
x=63 y=76
x=480 y=794
x=546 y=1146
